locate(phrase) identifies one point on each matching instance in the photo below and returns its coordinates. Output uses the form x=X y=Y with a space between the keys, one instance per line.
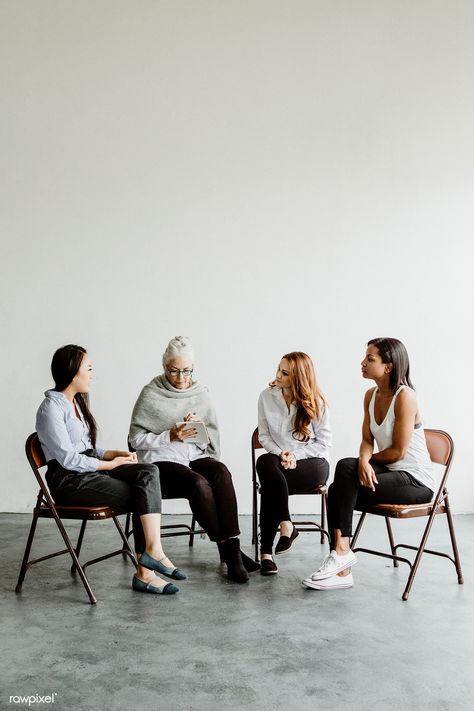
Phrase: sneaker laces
x=328 y=562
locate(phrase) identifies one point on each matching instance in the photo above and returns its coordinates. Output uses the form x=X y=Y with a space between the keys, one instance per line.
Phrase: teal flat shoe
x=166 y=589
x=152 y=564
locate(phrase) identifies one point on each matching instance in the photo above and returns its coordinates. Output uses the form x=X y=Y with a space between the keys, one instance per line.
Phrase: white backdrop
x=262 y=176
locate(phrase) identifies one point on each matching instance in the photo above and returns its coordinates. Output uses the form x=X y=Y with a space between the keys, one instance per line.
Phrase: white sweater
x=275 y=427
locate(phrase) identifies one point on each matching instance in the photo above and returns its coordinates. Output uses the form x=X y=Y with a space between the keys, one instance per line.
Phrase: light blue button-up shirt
x=63 y=436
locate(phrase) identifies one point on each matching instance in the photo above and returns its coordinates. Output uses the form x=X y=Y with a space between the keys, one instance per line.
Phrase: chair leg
x=72 y=552
x=391 y=540
x=357 y=531
x=457 y=560
x=79 y=544
x=126 y=549
x=192 y=534
x=26 y=555
x=128 y=530
x=255 y=521
x=323 y=515
x=419 y=553
x=253 y=512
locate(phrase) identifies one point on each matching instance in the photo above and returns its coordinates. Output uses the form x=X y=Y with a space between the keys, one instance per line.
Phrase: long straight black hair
x=393 y=351
x=64 y=366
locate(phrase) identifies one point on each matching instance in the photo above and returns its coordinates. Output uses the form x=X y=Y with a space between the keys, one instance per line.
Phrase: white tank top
x=417 y=460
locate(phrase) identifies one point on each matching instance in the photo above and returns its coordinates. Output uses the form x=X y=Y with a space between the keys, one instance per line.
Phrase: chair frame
x=190 y=531
x=441 y=448
x=46 y=508
x=299 y=525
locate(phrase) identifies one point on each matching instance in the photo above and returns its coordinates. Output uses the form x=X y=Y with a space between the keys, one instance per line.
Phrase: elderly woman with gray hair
x=189 y=469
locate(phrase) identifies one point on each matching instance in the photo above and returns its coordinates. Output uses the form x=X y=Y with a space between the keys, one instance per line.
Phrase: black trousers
x=277 y=484
x=130 y=487
x=208 y=486
x=346 y=494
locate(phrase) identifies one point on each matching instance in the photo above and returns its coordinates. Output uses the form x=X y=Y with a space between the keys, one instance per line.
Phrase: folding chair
x=46 y=508
x=300 y=525
x=441 y=449
x=190 y=531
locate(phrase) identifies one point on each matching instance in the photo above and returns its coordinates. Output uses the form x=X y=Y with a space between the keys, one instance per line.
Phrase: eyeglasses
x=176 y=372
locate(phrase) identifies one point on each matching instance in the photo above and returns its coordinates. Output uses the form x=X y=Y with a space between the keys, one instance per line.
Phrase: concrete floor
x=219 y=645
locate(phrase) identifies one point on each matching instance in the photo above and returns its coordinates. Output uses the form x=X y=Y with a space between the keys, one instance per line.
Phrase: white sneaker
x=334 y=564
x=335 y=582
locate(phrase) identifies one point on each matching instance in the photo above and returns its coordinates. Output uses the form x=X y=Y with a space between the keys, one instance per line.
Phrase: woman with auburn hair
x=293 y=426
x=400 y=472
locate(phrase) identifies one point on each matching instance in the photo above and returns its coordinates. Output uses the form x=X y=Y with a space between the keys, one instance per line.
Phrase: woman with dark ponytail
x=293 y=426
x=399 y=472
x=80 y=474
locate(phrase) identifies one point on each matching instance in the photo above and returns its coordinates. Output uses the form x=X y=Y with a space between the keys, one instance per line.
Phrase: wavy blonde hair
x=309 y=400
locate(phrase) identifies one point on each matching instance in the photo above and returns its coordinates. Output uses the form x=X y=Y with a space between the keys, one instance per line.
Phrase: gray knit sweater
x=160 y=406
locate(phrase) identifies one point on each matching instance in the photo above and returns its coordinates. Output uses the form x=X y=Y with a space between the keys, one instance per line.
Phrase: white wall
x=263 y=176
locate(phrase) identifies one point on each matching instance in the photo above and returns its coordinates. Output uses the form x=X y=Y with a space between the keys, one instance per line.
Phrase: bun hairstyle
x=306 y=394
x=391 y=350
x=64 y=367
x=179 y=346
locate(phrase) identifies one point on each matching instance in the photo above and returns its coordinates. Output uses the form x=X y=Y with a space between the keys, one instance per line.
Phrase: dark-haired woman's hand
x=111 y=454
x=108 y=465
x=129 y=458
x=367 y=475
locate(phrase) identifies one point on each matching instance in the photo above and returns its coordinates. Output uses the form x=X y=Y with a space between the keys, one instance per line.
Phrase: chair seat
x=91 y=513
x=402 y=510
x=318 y=490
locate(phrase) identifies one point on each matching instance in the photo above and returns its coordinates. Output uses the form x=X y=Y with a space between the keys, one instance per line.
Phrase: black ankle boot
x=250 y=564
x=230 y=550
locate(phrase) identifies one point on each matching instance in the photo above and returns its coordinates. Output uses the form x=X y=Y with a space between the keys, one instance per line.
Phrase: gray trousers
x=130 y=487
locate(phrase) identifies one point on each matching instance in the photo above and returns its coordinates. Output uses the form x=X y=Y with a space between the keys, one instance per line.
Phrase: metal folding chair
x=441 y=449
x=46 y=508
x=300 y=525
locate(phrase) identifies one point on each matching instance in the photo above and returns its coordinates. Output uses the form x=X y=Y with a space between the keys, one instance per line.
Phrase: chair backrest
x=35 y=456
x=440 y=446
x=441 y=450
x=34 y=451
x=255 y=441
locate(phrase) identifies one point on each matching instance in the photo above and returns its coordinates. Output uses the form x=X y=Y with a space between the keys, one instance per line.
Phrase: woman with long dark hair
x=400 y=472
x=293 y=427
x=80 y=474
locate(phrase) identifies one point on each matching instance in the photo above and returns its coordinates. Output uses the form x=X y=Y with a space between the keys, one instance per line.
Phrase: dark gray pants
x=130 y=487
